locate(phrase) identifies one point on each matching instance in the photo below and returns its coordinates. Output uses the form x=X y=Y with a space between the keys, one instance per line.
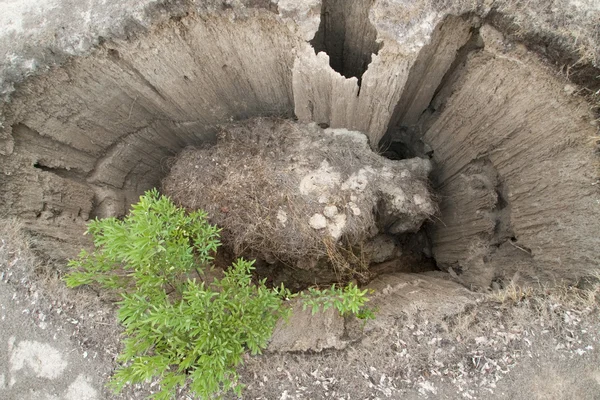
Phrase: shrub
x=177 y=324
x=346 y=300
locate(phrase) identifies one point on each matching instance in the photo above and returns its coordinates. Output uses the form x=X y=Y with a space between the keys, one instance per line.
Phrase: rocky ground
x=544 y=346
x=513 y=343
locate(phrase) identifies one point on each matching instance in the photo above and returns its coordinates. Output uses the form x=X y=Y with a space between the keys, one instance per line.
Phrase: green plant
x=346 y=300
x=180 y=328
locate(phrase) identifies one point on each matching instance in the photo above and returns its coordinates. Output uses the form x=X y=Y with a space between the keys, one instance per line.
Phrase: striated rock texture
x=515 y=172
x=429 y=296
x=104 y=124
x=293 y=193
x=320 y=331
x=513 y=153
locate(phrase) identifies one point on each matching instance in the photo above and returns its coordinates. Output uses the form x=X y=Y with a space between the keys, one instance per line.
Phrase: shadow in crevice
x=430 y=82
x=347 y=36
x=437 y=63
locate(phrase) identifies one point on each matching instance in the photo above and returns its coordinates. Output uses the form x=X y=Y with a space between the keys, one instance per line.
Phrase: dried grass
x=552 y=302
x=348 y=262
x=249 y=183
x=512 y=292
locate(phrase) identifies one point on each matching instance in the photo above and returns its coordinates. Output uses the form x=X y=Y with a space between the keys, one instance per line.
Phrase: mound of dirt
x=302 y=195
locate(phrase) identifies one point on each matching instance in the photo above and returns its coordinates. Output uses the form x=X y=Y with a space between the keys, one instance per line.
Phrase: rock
x=330 y=212
x=282 y=217
x=336 y=227
x=382 y=248
x=307 y=332
x=317 y=222
x=570 y=89
x=354 y=208
x=430 y=296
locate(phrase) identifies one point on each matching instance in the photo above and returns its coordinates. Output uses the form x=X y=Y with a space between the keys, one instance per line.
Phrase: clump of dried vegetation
x=263 y=180
x=581 y=295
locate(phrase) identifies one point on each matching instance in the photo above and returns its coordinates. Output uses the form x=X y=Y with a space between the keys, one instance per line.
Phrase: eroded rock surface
x=305 y=331
x=513 y=151
x=518 y=187
x=399 y=296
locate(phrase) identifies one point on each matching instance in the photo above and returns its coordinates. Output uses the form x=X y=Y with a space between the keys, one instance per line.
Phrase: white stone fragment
x=336 y=228
x=358 y=181
x=318 y=221
x=356 y=136
x=354 y=208
x=570 y=89
x=418 y=199
x=282 y=217
x=330 y=211
x=320 y=180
